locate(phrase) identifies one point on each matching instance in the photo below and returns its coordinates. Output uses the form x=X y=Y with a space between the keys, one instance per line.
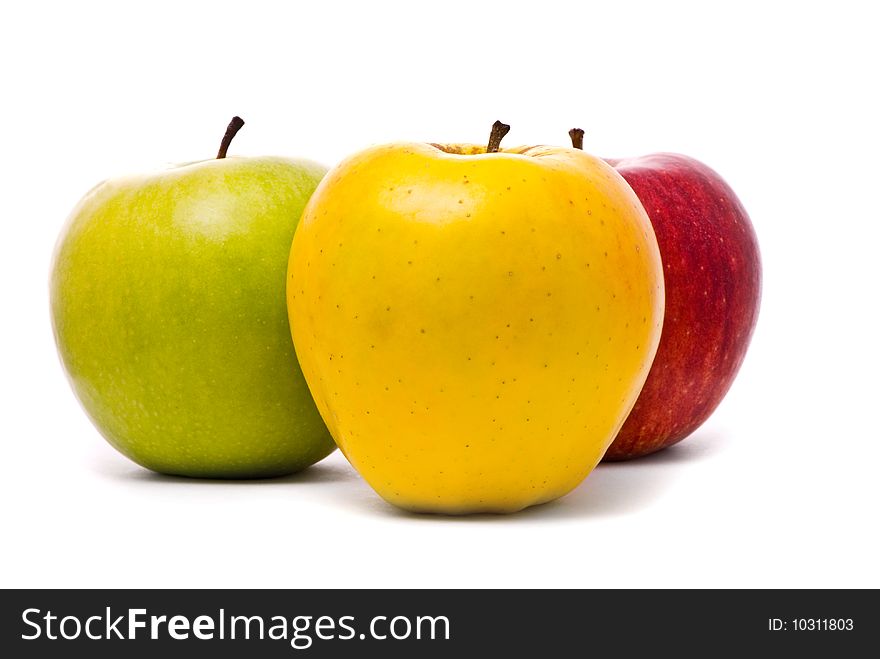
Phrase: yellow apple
x=474 y=325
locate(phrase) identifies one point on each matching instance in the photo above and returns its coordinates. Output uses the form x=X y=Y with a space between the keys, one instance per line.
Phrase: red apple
x=712 y=271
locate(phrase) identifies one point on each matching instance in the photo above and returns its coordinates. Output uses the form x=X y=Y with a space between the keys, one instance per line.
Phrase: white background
x=779 y=488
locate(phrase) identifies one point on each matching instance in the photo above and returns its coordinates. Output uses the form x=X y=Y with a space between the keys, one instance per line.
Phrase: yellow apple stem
x=231 y=130
x=499 y=130
x=577 y=138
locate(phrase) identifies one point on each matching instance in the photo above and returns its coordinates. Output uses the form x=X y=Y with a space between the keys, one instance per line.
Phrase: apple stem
x=231 y=130
x=577 y=138
x=499 y=130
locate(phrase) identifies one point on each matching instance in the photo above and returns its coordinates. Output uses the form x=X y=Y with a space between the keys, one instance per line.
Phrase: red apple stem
x=499 y=130
x=577 y=138
x=231 y=130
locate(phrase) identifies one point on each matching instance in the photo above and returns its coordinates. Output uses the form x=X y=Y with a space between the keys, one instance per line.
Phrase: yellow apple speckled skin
x=474 y=327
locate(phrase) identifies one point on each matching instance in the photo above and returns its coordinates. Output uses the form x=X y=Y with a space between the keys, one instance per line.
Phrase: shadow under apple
x=614 y=488
x=326 y=471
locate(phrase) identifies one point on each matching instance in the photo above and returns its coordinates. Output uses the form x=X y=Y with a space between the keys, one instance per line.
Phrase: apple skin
x=712 y=273
x=474 y=326
x=168 y=308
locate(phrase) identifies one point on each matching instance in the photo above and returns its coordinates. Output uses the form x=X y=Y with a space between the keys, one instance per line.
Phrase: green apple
x=168 y=307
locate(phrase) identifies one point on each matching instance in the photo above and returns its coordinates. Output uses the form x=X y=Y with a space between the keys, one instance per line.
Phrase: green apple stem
x=577 y=138
x=499 y=130
x=231 y=130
